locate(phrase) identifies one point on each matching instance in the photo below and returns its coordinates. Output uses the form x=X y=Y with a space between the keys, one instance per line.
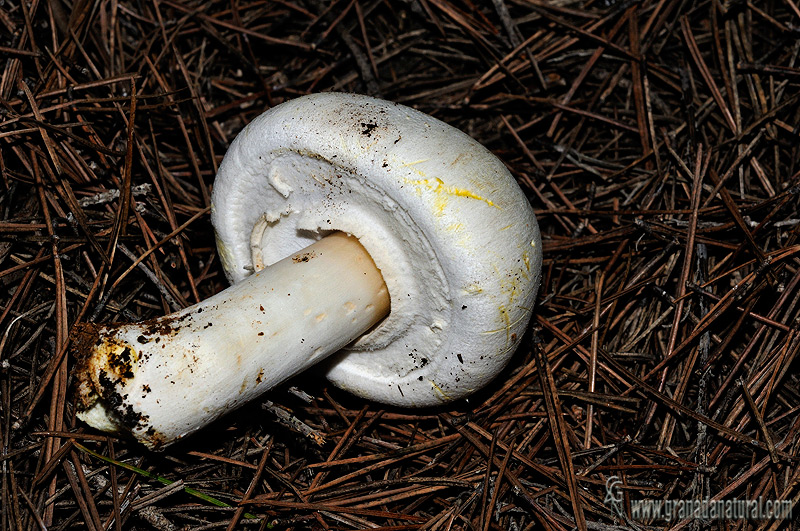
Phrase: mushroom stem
x=165 y=378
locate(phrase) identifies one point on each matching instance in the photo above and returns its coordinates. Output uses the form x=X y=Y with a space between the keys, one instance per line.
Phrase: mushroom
x=326 y=208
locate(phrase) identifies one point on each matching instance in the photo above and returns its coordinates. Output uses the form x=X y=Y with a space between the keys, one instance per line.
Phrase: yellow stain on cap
x=473 y=289
x=455 y=227
x=224 y=253
x=437 y=186
x=444 y=396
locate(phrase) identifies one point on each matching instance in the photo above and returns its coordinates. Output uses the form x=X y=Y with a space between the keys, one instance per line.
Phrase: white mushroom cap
x=447 y=225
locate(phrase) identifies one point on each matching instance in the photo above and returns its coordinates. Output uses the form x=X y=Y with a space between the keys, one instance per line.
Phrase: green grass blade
x=149 y=475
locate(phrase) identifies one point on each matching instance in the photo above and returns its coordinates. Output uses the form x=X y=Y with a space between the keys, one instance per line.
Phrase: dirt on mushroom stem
x=165 y=378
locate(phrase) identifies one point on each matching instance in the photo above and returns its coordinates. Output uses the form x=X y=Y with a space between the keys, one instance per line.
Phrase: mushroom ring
x=353 y=230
